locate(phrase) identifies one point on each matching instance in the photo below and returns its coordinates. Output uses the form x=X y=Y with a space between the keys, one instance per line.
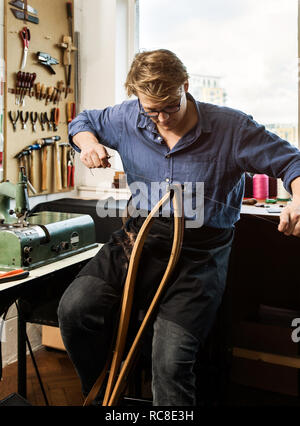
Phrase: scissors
x=25 y=36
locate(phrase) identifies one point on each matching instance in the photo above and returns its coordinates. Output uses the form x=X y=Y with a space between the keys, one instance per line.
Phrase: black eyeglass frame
x=155 y=114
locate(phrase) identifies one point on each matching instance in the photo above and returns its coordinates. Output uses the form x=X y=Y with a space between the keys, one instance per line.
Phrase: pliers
x=14 y=118
x=71 y=168
x=33 y=119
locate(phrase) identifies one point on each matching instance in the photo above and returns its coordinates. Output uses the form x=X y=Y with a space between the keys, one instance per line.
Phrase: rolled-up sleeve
x=259 y=151
x=105 y=124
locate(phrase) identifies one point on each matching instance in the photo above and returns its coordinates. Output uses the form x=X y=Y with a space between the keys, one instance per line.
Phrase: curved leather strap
x=115 y=386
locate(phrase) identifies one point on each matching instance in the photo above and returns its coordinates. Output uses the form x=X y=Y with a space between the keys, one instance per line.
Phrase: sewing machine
x=32 y=241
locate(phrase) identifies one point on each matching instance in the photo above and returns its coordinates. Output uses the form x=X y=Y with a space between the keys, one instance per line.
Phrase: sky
x=250 y=44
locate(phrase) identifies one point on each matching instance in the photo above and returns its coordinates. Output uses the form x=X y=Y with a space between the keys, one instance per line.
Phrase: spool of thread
x=282 y=194
x=260 y=187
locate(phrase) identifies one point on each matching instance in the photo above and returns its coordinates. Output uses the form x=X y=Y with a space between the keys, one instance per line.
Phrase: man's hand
x=93 y=154
x=290 y=219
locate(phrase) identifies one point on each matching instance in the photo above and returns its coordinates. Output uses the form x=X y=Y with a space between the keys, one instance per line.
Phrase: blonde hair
x=158 y=74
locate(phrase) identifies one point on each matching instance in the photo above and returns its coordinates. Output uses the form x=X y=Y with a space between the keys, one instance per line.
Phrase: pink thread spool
x=260 y=187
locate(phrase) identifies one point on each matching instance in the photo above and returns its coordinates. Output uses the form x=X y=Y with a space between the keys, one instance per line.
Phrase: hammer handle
x=44 y=168
x=65 y=166
x=57 y=168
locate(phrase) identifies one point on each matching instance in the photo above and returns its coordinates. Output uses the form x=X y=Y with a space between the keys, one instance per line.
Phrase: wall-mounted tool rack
x=39 y=93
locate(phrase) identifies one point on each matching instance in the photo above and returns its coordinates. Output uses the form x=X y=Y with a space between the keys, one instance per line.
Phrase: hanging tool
x=69 y=15
x=24 y=16
x=59 y=90
x=47 y=60
x=71 y=111
x=42 y=120
x=55 y=118
x=49 y=91
x=64 y=161
x=21 y=5
x=14 y=116
x=24 y=120
x=43 y=92
x=45 y=142
x=71 y=167
x=69 y=48
x=25 y=36
x=48 y=121
x=57 y=167
x=33 y=166
x=19 y=76
x=33 y=119
x=37 y=91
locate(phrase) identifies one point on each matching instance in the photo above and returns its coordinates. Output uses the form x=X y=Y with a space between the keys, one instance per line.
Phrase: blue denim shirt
x=218 y=151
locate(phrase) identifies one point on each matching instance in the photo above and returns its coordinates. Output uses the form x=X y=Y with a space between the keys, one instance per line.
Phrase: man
x=164 y=135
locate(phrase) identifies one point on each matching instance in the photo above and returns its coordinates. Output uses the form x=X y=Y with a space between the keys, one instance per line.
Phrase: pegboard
x=44 y=37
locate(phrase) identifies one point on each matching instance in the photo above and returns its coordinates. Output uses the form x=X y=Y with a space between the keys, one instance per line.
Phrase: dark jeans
x=88 y=309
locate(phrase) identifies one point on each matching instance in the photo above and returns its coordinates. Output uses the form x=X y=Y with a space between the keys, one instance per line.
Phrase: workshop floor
x=62 y=385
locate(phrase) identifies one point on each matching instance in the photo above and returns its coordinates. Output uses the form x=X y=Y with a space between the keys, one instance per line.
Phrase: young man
x=165 y=136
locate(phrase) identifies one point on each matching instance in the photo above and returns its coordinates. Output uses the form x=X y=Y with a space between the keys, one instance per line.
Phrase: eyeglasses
x=170 y=109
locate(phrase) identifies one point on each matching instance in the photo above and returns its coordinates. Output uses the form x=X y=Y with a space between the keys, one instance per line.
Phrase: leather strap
x=116 y=385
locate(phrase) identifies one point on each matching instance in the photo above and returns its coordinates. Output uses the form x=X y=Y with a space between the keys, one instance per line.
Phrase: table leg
x=22 y=357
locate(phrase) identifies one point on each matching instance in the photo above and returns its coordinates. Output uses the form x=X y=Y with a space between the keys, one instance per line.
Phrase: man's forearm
x=82 y=139
x=295 y=186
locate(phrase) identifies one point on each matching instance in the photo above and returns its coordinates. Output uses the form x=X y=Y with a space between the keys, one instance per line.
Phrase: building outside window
x=240 y=54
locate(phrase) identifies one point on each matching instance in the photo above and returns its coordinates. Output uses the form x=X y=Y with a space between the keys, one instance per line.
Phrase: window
x=245 y=50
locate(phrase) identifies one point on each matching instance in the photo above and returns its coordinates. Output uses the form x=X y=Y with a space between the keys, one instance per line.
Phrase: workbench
x=37 y=297
x=263 y=268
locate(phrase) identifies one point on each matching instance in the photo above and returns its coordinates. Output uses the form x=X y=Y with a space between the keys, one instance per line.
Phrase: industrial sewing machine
x=32 y=241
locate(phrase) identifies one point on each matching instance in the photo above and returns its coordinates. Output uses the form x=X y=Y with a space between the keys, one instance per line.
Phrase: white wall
x=107 y=47
x=106 y=30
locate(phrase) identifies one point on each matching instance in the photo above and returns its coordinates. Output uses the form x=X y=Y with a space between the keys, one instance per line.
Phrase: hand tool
x=71 y=167
x=71 y=111
x=47 y=60
x=38 y=90
x=117 y=374
x=17 y=274
x=69 y=48
x=48 y=121
x=25 y=36
x=14 y=118
x=69 y=15
x=45 y=142
x=24 y=16
x=55 y=118
x=33 y=119
x=33 y=166
x=24 y=120
x=20 y=5
x=50 y=91
x=24 y=80
x=18 y=86
x=42 y=121
x=57 y=167
x=60 y=88
x=64 y=162
x=43 y=92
